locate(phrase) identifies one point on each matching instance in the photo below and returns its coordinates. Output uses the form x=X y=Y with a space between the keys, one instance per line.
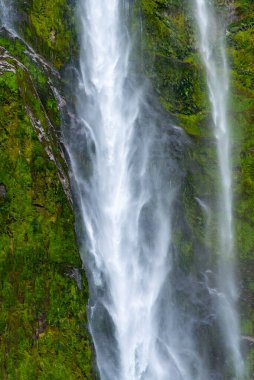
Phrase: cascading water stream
x=124 y=183
x=213 y=54
x=6 y=14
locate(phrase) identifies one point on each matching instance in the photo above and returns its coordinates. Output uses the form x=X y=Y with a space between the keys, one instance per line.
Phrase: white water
x=213 y=54
x=6 y=14
x=123 y=184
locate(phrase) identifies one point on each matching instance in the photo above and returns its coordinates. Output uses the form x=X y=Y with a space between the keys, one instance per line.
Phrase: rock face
x=2 y=191
x=43 y=290
x=42 y=307
x=172 y=62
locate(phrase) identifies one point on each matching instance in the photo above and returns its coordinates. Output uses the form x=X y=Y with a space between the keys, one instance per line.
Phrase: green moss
x=49 y=27
x=240 y=40
x=172 y=63
x=42 y=310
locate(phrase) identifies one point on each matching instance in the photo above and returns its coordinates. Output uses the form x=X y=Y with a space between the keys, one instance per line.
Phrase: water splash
x=213 y=54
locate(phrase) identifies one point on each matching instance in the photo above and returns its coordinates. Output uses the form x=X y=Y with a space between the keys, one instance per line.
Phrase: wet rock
x=2 y=191
x=52 y=36
x=75 y=273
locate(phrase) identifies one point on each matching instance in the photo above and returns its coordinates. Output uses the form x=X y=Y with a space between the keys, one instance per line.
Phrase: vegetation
x=43 y=291
x=172 y=63
x=43 y=332
x=49 y=27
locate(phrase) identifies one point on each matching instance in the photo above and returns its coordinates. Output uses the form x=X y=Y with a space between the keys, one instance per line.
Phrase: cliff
x=173 y=64
x=43 y=292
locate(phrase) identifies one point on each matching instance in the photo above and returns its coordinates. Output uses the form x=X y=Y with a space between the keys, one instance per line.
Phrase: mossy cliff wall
x=43 y=291
x=172 y=62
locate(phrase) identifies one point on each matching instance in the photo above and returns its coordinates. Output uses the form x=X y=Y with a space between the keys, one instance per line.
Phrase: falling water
x=6 y=14
x=125 y=181
x=213 y=54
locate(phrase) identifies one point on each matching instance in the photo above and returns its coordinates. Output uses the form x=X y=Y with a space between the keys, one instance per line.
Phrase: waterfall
x=125 y=180
x=148 y=318
x=212 y=50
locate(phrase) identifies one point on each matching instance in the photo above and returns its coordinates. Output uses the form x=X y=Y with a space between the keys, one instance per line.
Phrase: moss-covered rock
x=49 y=27
x=43 y=291
x=177 y=74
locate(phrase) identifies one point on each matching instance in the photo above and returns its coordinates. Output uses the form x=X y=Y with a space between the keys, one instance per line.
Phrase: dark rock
x=75 y=273
x=2 y=191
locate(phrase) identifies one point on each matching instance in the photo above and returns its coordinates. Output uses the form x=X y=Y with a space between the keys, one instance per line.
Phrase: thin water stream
x=7 y=15
x=213 y=53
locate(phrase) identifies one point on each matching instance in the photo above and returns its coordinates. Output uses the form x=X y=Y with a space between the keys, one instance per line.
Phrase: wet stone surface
x=2 y=191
